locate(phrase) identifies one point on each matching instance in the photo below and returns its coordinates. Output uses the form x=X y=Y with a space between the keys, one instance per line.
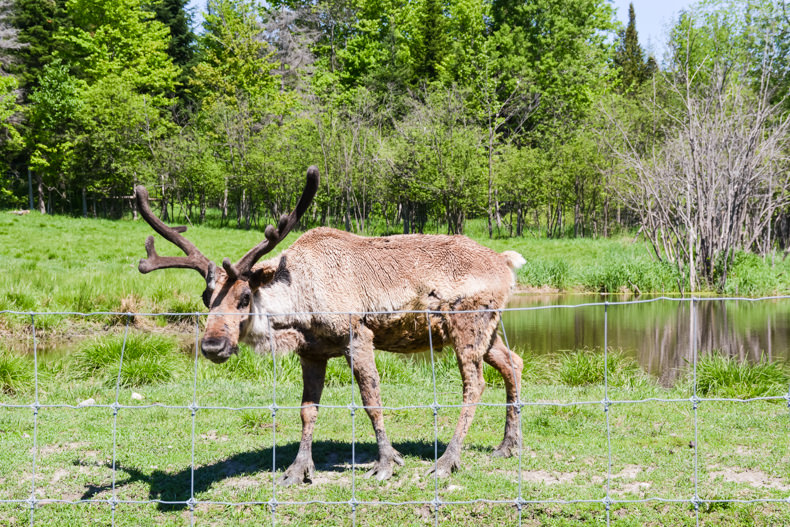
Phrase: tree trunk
x=42 y=207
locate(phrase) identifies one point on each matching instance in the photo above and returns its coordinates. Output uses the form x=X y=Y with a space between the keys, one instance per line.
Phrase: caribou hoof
x=507 y=448
x=382 y=469
x=445 y=466
x=299 y=472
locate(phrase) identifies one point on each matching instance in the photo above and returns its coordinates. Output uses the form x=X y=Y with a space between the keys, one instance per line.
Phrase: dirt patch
x=212 y=435
x=636 y=487
x=245 y=483
x=58 y=448
x=547 y=478
x=753 y=478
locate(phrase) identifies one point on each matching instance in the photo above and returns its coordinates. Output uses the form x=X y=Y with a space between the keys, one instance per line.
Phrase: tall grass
x=147 y=359
x=16 y=373
x=91 y=265
x=586 y=367
x=719 y=376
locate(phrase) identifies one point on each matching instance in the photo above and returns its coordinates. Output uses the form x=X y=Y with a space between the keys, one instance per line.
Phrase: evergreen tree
x=629 y=56
x=431 y=44
x=37 y=22
x=181 y=47
x=175 y=15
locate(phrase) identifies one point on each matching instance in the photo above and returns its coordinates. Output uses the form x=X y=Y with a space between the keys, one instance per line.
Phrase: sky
x=652 y=19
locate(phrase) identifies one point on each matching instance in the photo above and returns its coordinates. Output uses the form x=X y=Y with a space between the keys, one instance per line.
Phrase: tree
x=430 y=42
x=558 y=49
x=37 y=22
x=174 y=15
x=113 y=64
x=717 y=175
x=630 y=58
x=239 y=95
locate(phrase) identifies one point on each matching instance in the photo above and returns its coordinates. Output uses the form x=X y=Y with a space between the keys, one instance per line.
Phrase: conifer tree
x=36 y=22
x=181 y=47
x=431 y=45
x=175 y=15
x=629 y=56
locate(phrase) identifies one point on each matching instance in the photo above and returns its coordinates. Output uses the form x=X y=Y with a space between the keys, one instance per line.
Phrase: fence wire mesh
x=518 y=500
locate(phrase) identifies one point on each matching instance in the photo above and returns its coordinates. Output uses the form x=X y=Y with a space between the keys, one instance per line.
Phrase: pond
x=657 y=333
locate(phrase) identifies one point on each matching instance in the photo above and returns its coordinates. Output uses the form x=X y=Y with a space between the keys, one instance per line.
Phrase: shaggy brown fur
x=335 y=294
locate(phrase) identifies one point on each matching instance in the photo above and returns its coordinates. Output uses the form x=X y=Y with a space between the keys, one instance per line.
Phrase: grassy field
x=56 y=263
x=238 y=451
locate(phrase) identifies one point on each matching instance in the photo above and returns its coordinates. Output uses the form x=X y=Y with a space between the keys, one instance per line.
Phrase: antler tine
x=274 y=236
x=194 y=259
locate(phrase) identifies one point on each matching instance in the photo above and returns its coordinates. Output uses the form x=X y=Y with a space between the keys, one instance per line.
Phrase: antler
x=274 y=236
x=194 y=259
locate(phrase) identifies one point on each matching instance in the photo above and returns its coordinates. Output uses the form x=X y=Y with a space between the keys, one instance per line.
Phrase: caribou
x=336 y=294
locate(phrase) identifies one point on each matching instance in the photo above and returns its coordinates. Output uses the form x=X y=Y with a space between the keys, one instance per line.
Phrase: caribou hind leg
x=302 y=468
x=363 y=364
x=471 y=335
x=509 y=365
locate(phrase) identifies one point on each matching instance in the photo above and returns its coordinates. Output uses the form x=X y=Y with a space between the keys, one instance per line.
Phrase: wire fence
x=519 y=500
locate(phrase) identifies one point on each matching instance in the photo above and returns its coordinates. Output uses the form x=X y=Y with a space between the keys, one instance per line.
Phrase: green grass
x=147 y=359
x=16 y=373
x=57 y=263
x=586 y=367
x=564 y=457
x=719 y=376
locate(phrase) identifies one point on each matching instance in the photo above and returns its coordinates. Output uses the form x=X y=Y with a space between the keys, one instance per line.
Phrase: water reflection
x=657 y=334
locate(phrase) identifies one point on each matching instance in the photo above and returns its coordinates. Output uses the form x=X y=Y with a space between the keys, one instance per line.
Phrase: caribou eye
x=244 y=301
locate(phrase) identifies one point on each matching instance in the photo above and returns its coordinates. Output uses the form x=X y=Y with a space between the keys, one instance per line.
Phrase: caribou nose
x=216 y=349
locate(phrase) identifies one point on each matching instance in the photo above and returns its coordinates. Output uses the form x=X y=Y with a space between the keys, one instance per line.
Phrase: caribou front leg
x=302 y=468
x=363 y=364
x=472 y=377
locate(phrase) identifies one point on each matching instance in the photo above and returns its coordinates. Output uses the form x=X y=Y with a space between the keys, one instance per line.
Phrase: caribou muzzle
x=217 y=349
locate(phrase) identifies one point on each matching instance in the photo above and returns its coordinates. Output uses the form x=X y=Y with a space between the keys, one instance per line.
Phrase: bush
x=721 y=376
x=147 y=359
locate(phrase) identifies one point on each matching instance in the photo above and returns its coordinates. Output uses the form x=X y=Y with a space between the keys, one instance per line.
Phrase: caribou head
x=229 y=288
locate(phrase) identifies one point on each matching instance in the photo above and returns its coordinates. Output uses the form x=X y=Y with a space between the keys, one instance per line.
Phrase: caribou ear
x=261 y=276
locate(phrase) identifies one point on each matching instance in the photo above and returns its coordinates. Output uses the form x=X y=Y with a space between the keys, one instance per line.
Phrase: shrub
x=728 y=377
x=147 y=359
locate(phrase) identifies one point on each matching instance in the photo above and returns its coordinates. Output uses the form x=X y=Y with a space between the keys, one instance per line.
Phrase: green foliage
x=721 y=376
x=147 y=359
x=37 y=23
x=234 y=66
x=118 y=39
x=552 y=273
x=9 y=136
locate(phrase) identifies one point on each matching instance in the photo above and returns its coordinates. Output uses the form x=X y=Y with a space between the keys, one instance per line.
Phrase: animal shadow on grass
x=329 y=456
